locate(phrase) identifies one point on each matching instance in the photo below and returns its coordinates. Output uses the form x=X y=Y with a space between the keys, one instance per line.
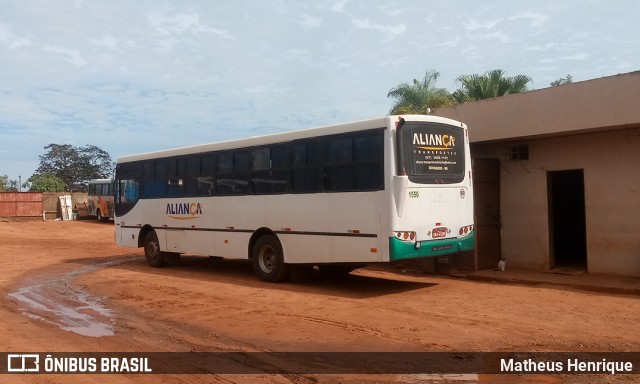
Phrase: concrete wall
x=20 y=204
x=51 y=202
x=591 y=125
x=612 y=198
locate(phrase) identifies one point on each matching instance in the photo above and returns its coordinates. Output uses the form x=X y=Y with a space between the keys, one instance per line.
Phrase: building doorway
x=567 y=223
x=486 y=190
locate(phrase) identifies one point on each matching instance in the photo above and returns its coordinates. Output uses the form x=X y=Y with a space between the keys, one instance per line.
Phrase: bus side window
x=241 y=168
x=176 y=174
x=354 y=162
x=305 y=166
x=127 y=186
x=197 y=184
x=206 y=181
x=155 y=179
x=269 y=173
x=279 y=174
x=232 y=177
x=369 y=158
x=338 y=169
x=130 y=191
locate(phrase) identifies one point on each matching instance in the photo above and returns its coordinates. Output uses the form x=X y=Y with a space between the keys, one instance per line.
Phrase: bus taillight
x=465 y=230
x=406 y=235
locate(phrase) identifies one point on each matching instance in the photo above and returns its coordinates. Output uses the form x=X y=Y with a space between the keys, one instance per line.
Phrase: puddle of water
x=54 y=300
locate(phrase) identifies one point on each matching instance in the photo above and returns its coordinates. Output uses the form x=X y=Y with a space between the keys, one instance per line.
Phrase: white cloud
x=291 y=54
x=338 y=7
x=391 y=32
x=390 y=10
x=309 y=22
x=256 y=89
x=183 y=23
x=500 y=36
x=470 y=49
x=579 y=56
x=535 y=19
x=72 y=56
x=395 y=62
x=450 y=43
x=110 y=42
x=420 y=46
x=544 y=47
x=624 y=66
x=221 y=69
x=10 y=39
x=473 y=25
x=18 y=108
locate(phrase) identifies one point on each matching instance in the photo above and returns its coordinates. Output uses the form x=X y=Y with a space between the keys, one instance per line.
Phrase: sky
x=140 y=76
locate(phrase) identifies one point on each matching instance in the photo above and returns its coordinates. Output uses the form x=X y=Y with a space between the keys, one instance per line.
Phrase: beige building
x=557 y=176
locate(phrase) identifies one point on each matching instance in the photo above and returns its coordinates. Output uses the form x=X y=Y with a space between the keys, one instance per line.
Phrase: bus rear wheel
x=152 y=253
x=100 y=217
x=268 y=260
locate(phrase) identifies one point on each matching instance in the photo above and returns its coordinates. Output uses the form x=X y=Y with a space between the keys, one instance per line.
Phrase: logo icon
x=29 y=362
x=184 y=211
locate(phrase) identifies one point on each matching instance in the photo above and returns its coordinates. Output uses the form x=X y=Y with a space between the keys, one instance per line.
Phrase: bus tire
x=152 y=253
x=268 y=260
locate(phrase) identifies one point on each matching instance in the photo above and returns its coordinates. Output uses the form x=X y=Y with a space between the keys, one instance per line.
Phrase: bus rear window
x=432 y=153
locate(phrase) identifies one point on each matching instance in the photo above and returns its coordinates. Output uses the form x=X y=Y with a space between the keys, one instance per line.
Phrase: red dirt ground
x=204 y=305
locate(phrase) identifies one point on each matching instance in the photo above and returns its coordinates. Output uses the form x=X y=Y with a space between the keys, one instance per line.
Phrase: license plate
x=441 y=247
x=439 y=232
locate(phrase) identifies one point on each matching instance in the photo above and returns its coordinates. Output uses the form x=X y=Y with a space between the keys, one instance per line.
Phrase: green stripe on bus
x=402 y=250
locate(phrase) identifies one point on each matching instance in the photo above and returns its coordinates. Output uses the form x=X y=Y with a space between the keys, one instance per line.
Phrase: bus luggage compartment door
x=173 y=240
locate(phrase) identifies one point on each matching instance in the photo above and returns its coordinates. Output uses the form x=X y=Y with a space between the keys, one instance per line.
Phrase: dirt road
x=67 y=287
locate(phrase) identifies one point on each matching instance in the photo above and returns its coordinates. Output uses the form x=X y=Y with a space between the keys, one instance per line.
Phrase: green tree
x=45 y=182
x=4 y=183
x=420 y=95
x=75 y=166
x=491 y=84
x=7 y=185
x=562 y=80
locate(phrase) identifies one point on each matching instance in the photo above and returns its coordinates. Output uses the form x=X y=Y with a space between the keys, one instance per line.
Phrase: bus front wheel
x=268 y=260
x=152 y=253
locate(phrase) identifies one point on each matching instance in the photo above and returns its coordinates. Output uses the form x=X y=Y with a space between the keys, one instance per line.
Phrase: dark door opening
x=567 y=223
x=486 y=191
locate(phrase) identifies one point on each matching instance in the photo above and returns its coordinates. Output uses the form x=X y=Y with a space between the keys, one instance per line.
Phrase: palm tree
x=491 y=84
x=419 y=96
x=562 y=81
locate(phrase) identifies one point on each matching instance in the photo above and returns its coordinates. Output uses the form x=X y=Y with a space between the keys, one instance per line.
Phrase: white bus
x=100 y=199
x=380 y=190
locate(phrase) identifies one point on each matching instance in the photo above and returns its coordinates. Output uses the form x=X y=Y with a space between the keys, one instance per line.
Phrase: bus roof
x=100 y=181
x=362 y=125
